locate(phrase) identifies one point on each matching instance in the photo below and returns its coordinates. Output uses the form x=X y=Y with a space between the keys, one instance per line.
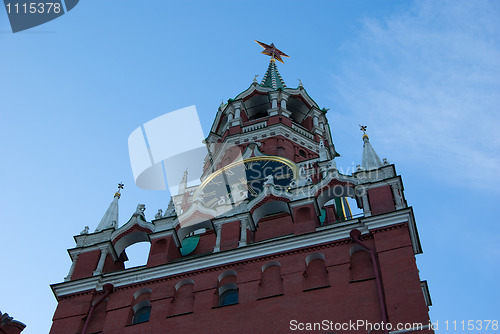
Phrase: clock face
x=244 y=180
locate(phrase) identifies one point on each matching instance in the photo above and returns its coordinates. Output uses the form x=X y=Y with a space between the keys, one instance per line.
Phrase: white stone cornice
x=302 y=92
x=216 y=121
x=161 y=234
x=135 y=220
x=382 y=173
x=394 y=217
x=249 y=91
x=268 y=191
x=86 y=240
x=325 y=234
x=76 y=286
x=105 y=245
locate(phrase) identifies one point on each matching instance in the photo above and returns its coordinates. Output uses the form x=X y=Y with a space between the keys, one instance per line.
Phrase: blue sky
x=424 y=76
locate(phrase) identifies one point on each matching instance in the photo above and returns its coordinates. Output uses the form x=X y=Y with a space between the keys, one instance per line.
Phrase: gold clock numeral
x=246 y=186
x=278 y=168
x=212 y=193
x=216 y=183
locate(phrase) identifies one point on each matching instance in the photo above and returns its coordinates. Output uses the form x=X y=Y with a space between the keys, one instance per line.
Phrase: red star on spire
x=272 y=51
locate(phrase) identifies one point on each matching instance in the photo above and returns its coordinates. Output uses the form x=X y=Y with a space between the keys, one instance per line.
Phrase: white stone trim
x=72 y=268
x=243 y=232
x=366 y=205
x=73 y=252
x=85 y=240
x=328 y=233
x=102 y=259
x=392 y=218
x=218 y=230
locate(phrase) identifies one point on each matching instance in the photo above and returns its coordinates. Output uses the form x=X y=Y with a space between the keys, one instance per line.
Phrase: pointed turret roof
x=183 y=183
x=272 y=78
x=370 y=158
x=110 y=218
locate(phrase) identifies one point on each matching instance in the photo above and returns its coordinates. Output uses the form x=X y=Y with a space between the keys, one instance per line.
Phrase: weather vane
x=272 y=51
x=120 y=186
x=363 y=128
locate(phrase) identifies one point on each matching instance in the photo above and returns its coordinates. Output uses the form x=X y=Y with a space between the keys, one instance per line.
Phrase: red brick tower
x=266 y=243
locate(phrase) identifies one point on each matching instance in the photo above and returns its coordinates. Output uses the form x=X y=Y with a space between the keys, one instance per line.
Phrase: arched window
x=228 y=294
x=142 y=312
x=142 y=306
x=227 y=291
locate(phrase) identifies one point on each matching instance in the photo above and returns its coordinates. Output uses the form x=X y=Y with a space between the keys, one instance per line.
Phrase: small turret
x=183 y=183
x=110 y=218
x=370 y=158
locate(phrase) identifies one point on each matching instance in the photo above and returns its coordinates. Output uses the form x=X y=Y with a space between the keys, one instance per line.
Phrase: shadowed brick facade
x=296 y=254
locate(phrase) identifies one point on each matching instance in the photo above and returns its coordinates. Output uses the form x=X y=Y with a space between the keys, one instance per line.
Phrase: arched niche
x=183 y=299
x=361 y=265
x=183 y=232
x=303 y=214
x=129 y=238
x=142 y=291
x=316 y=274
x=257 y=106
x=271 y=283
x=332 y=192
x=298 y=108
x=270 y=208
x=137 y=254
x=334 y=203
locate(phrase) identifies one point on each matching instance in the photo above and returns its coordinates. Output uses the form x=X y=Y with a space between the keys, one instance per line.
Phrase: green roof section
x=272 y=78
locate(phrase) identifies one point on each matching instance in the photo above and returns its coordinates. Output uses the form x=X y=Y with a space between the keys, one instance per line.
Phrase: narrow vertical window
x=228 y=294
x=142 y=314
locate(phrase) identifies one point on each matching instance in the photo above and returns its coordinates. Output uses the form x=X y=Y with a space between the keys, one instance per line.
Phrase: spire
x=183 y=184
x=110 y=218
x=272 y=78
x=370 y=158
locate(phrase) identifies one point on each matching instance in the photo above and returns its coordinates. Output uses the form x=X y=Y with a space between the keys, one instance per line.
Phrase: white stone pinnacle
x=110 y=218
x=370 y=158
